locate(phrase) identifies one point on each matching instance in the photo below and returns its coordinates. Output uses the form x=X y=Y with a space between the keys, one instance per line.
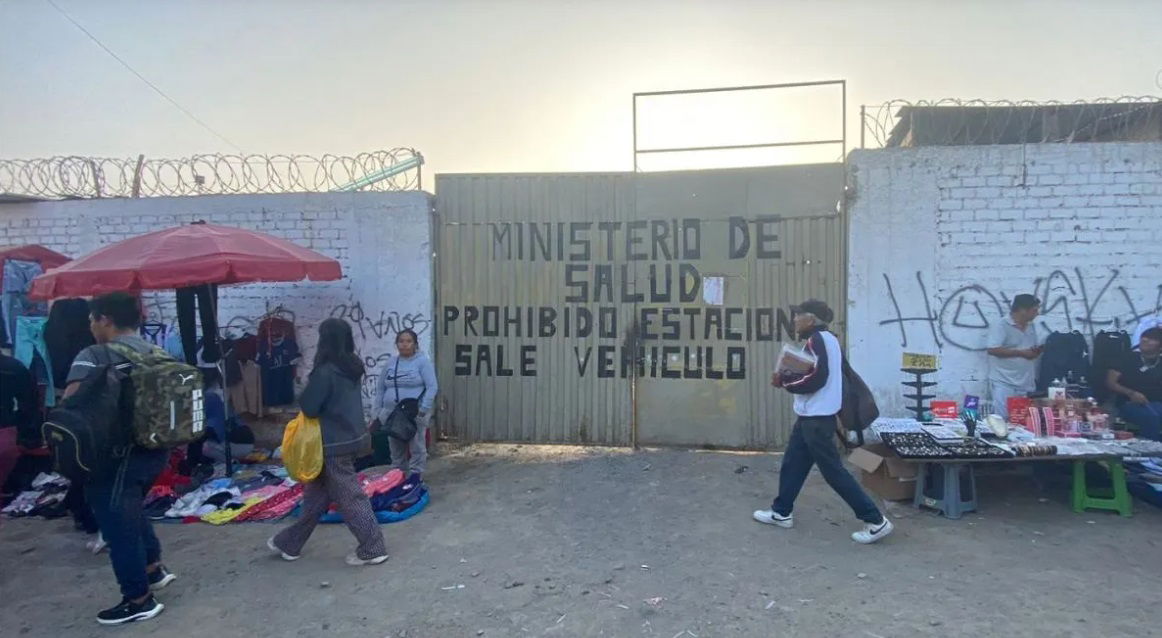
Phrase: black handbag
x=401 y=423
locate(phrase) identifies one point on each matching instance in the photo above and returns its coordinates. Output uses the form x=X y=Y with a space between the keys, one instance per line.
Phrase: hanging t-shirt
x=277 y=360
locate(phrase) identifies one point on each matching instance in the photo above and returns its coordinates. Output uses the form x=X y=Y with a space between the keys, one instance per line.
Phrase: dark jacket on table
x=337 y=401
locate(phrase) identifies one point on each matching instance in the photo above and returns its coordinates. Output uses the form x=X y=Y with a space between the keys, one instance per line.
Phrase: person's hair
x=1024 y=302
x=337 y=346
x=1154 y=334
x=121 y=308
x=409 y=331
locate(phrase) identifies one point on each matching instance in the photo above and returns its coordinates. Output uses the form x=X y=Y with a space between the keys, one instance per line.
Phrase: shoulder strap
x=395 y=379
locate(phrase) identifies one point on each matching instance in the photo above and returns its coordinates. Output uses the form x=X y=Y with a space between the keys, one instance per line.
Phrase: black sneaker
x=128 y=611
x=160 y=578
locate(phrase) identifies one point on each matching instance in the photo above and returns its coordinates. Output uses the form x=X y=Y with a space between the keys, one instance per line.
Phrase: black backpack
x=1065 y=353
x=86 y=432
x=1109 y=350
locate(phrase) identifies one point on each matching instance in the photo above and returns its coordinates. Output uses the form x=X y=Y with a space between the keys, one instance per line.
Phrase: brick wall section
x=382 y=240
x=942 y=238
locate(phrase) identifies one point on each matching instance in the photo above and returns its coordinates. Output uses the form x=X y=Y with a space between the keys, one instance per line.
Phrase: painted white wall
x=942 y=238
x=382 y=240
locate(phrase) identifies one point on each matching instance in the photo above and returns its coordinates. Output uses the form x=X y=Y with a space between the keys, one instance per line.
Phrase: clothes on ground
x=1016 y=372
x=30 y=345
x=336 y=400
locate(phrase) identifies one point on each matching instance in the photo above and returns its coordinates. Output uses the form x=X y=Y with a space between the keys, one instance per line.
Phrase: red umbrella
x=33 y=252
x=182 y=257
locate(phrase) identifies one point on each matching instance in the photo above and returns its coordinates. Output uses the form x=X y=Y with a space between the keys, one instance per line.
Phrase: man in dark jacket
x=818 y=399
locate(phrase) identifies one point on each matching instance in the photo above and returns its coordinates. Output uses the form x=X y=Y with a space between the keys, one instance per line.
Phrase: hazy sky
x=534 y=85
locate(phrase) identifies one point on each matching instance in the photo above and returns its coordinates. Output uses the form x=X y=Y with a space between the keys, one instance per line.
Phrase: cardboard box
x=884 y=473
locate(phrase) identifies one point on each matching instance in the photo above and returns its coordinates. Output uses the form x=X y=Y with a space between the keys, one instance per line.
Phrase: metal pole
x=862 y=124
x=635 y=132
x=843 y=117
x=137 y=176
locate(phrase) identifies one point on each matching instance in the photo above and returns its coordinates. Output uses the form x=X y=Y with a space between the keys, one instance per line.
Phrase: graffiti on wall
x=1077 y=300
x=375 y=335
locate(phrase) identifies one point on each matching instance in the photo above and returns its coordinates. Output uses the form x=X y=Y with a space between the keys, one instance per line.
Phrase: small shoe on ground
x=872 y=533
x=128 y=611
x=354 y=560
x=160 y=577
x=274 y=548
x=771 y=517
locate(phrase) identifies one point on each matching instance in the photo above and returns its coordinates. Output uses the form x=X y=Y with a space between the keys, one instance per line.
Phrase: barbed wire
x=956 y=121
x=397 y=169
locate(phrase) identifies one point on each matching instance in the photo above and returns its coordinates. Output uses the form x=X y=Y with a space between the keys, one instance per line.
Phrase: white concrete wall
x=943 y=238
x=382 y=240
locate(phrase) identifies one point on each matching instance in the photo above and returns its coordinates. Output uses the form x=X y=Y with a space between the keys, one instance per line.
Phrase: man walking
x=117 y=500
x=1013 y=349
x=818 y=398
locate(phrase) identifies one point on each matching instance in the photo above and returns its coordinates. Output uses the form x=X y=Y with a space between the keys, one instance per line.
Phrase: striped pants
x=339 y=484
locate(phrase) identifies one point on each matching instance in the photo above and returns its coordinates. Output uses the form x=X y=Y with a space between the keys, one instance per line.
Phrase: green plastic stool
x=1117 y=499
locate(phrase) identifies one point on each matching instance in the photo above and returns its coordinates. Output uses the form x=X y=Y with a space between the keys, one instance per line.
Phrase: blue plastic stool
x=950 y=488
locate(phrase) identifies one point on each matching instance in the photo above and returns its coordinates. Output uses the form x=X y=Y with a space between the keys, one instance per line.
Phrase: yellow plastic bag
x=302 y=448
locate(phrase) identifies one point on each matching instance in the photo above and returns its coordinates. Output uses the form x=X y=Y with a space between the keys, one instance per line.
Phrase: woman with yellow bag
x=333 y=397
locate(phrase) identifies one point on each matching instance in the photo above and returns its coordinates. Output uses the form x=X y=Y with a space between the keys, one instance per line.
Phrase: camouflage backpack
x=167 y=398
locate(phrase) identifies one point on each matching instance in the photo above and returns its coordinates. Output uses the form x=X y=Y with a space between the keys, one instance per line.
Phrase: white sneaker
x=97 y=546
x=770 y=517
x=872 y=533
x=276 y=550
x=355 y=561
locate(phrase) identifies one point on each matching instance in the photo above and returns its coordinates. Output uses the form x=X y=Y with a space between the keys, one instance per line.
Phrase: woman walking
x=333 y=396
x=407 y=375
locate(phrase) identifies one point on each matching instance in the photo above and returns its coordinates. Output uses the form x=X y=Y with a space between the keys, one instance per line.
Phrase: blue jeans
x=29 y=341
x=117 y=505
x=813 y=442
x=1147 y=417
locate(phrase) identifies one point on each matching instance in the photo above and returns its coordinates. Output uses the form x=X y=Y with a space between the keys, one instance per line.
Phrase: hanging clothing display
x=205 y=298
x=14 y=301
x=29 y=345
x=243 y=376
x=155 y=333
x=278 y=353
x=66 y=334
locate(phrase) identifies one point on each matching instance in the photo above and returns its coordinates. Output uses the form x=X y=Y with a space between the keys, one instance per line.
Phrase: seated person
x=1137 y=383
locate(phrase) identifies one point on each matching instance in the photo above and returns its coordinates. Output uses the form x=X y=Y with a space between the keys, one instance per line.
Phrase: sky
x=534 y=85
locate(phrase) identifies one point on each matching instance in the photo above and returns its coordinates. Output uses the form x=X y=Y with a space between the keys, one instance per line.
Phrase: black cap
x=815 y=307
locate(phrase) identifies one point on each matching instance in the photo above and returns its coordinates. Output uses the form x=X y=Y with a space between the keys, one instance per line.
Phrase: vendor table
x=958 y=474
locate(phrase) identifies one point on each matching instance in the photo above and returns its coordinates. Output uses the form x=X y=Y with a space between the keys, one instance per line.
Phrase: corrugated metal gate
x=625 y=308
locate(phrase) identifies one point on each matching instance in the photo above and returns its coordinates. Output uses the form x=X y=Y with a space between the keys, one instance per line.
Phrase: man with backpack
x=818 y=399
x=116 y=493
x=1013 y=348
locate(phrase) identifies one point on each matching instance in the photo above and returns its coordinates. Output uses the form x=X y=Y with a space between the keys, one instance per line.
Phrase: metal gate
x=625 y=309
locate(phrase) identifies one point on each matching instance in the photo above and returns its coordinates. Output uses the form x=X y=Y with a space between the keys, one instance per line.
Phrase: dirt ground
x=584 y=542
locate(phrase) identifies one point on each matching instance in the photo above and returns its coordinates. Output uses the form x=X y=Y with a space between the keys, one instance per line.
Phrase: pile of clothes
x=393 y=497
x=1144 y=479
x=46 y=499
x=256 y=493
